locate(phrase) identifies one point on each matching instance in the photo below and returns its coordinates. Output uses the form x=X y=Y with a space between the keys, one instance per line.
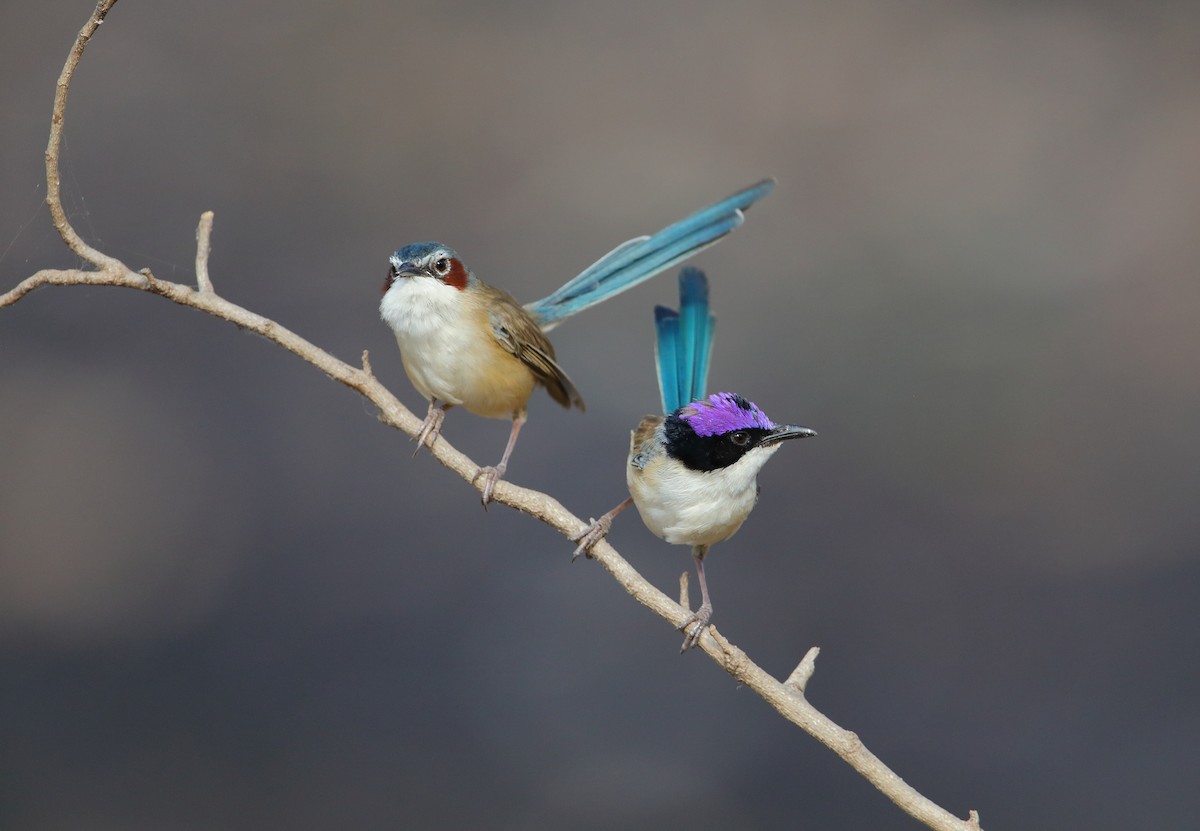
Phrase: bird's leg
x=597 y=531
x=492 y=475
x=694 y=627
x=431 y=427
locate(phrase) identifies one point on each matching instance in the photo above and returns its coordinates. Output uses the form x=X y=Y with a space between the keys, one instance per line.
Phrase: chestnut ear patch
x=456 y=276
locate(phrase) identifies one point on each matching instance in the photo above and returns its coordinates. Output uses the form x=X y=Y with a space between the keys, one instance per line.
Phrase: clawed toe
x=431 y=428
x=597 y=530
x=588 y=537
x=694 y=628
x=491 y=475
x=424 y=439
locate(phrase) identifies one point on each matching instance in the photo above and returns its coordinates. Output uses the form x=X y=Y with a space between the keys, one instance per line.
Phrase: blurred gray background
x=230 y=599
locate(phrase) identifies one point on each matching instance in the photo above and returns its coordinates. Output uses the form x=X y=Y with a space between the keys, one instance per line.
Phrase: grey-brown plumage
x=517 y=333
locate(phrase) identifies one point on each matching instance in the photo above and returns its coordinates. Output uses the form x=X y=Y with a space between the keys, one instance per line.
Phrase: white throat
x=416 y=306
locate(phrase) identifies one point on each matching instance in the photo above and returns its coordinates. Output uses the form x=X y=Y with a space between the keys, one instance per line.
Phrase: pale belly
x=471 y=372
x=690 y=507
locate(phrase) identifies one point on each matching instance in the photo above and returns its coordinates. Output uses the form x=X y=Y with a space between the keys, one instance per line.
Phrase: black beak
x=405 y=269
x=786 y=431
x=395 y=272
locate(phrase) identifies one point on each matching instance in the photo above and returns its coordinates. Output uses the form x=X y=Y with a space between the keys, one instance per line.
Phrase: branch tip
x=684 y=601
x=57 y=118
x=798 y=680
x=203 y=249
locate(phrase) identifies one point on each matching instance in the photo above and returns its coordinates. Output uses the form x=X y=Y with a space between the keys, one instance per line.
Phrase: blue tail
x=642 y=257
x=684 y=342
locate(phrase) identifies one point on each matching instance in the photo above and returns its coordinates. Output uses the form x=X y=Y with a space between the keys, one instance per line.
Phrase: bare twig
x=53 y=191
x=798 y=680
x=786 y=697
x=203 y=249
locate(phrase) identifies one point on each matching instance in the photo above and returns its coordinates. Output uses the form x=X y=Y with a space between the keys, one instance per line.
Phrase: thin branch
x=58 y=115
x=798 y=680
x=786 y=697
x=203 y=249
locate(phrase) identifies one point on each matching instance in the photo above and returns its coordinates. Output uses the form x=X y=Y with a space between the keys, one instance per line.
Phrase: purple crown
x=722 y=412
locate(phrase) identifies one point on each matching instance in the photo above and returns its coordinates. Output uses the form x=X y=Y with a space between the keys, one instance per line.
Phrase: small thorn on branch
x=973 y=820
x=366 y=364
x=798 y=680
x=684 y=601
x=203 y=247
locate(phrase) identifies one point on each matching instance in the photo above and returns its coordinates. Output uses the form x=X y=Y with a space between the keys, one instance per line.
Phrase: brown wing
x=516 y=332
x=641 y=440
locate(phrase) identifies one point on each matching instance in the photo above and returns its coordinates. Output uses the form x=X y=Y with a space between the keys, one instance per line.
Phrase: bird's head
x=723 y=430
x=427 y=260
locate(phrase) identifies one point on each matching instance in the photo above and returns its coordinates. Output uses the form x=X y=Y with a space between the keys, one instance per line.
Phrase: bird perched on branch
x=693 y=473
x=463 y=342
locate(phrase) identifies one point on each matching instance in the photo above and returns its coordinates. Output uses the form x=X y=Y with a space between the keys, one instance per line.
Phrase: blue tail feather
x=666 y=328
x=696 y=328
x=641 y=258
x=684 y=342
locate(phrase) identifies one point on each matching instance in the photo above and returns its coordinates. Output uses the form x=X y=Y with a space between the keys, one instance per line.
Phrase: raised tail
x=683 y=344
x=641 y=258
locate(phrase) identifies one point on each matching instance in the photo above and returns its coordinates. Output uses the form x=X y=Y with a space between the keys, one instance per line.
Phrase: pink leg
x=431 y=427
x=695 y=626
x=492 y=475
x=597 y=531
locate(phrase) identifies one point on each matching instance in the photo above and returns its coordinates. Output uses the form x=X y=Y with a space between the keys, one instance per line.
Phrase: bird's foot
x=491 y=475
x=695 y=626
x=596 y=531
x=431 y=428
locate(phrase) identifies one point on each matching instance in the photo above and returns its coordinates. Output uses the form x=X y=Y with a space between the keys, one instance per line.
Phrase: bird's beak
x=405 y=269
x=395 y=272
x=787 y=431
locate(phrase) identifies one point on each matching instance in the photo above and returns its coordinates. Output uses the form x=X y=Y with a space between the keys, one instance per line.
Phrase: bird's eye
x=442 y=266
x=740 y=438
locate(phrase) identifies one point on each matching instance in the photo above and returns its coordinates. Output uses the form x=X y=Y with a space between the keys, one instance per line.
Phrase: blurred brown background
x=229 y=598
